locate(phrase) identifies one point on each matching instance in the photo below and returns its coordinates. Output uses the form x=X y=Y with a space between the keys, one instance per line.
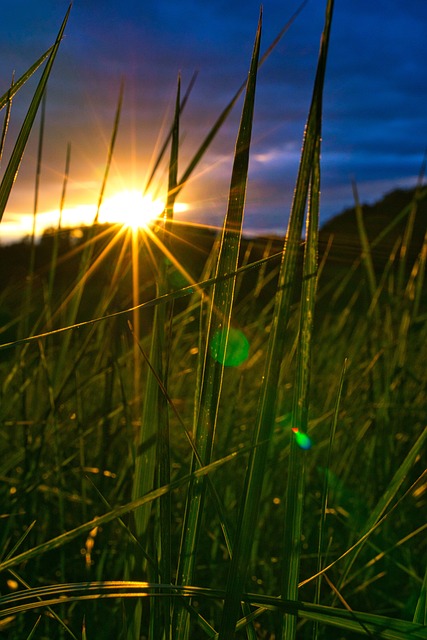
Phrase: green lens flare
x=237 y=348
x=302 y=439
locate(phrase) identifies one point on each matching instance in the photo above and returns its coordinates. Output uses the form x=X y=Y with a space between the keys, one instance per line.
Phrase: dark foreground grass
x=215 y=462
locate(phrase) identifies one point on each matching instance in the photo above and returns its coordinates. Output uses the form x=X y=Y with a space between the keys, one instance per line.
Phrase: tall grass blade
x=267 y=406
x=155 y=419
x=110 y=150
x=52 y=613
x=54 y=258
x=72 y=303
x=170 y=135
x=113 y=514
x=164 y=321
x=352 y=621
x=154 y=302
x=421 y=267
x=364 y=241
x=226 y=112
x=21 y=141
x=389 y=494
x=6 y=118
x=325 y=493
x=145 y=463
x=29 y=287
x=420 y=614
x=218 y=325
x=34 y=629
x=6 y=97
x=406 y=240
x=295 y=487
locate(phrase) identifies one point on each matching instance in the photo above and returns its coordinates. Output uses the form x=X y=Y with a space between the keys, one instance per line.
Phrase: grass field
x=227 y=442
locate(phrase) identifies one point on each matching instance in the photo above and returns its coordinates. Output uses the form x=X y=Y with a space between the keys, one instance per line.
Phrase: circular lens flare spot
x=237 y=350
x=302 y=439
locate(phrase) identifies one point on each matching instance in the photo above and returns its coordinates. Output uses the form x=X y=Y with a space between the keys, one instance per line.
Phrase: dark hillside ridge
x=377 y=217
x=191 y=245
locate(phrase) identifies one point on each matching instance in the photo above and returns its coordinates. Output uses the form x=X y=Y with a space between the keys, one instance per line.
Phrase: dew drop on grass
x=237 y=349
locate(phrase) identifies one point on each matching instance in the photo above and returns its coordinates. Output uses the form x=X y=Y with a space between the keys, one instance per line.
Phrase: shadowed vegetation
x=210 y=436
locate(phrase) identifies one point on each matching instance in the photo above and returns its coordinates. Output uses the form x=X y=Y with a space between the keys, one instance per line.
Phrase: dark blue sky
x=375 y=116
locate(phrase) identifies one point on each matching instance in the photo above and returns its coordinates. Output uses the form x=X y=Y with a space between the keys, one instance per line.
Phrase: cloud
x=375 y=120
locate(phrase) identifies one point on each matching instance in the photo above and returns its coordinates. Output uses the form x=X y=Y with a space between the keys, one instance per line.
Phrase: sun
x=131 y=208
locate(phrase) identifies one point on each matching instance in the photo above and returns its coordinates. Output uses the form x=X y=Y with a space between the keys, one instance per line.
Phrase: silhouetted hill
x=385 y=216
x=339 y=241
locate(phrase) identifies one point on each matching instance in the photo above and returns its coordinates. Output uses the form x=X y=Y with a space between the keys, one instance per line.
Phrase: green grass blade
x=113 y=514
x=53 y=262
x=155 y=419
x=154 y=302
x=352 y=621
x=21 y=141
x=163 y=346
x=29 y=288
x=296 y=481
x=267 y=406
x=110 y=150
x=218 y=325
x=364 y=241
x=72 y=303
x=169 y=136
x=389 y=494
x=145 y=463
x=420 y=614
x=6 y=118
x=34 y=629
x=7 y=97
x=409 y=229
x=50 y=610
x=226 y=112
x=325 y=491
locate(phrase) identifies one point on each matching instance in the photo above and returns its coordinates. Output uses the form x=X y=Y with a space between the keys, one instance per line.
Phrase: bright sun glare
x=131 y=208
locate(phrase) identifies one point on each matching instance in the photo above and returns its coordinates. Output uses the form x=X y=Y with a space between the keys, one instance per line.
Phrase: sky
x=375 y=116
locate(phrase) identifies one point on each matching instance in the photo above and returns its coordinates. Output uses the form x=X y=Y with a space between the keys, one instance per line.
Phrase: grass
x=161 y=481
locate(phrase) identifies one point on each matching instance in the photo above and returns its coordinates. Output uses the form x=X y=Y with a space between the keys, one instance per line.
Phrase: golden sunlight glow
x=131 y=208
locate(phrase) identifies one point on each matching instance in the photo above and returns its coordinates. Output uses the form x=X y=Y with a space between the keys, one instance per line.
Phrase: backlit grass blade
x=110 y=150
x=384 y=627
x=72 y=302
x=218 y=328
x=113 y=514
x=364 y=241
x=51 y=611
x=53 y=262
x=29 y=288
x=325 y=491
x=394 y=485
x=21 y=141
x=164 y=321
x=169 y=136
x=420 y=615
x=154 y=302
x=226 y=112
x=300 y=441
x=409 y=229
x=420 y=278
x=6 y=118
x=267 y=406
x=154 y=429
x=6 y=97
x=145 y=465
